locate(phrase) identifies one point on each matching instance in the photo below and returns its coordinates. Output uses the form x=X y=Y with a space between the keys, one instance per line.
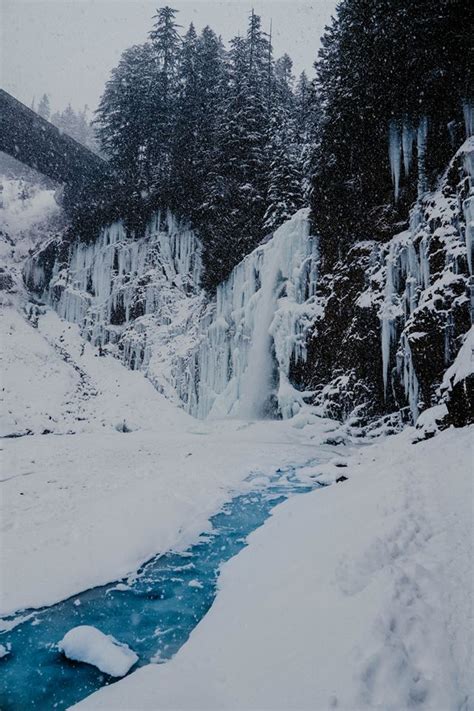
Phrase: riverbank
x=358 y=596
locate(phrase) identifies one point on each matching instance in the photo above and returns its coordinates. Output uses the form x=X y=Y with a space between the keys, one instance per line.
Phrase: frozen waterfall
x=106 y=284
x=257 y=328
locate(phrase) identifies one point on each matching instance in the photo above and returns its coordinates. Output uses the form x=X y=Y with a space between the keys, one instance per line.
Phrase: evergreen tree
x=165 y=45
x=201 y=78
x=213 y=135
x=124 y=117
x=384 y=65
x=44 y=108
x=285 y=190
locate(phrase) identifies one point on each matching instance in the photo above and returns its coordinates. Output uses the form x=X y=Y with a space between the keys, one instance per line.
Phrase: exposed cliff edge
x=372 y=337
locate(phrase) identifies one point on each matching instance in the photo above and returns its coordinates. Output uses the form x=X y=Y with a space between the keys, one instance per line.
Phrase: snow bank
x=102 y=498
x=357 y=596
x=90 y=645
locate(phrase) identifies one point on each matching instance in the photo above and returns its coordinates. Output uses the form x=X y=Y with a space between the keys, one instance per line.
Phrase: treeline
x=76 y=124
x=220 y=136
x=228 y=138
x=393 y=79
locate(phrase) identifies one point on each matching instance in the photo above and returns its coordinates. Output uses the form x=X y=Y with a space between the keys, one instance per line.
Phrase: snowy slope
x=120 y=473
x=359 y=596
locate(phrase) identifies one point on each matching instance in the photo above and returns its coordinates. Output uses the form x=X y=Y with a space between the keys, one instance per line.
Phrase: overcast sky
x=67 y=48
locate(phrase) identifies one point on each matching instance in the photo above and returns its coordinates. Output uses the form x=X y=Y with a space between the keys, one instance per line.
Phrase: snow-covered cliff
x=135 y=297
x=141 y=299
x=396 y=313
x=373 y=336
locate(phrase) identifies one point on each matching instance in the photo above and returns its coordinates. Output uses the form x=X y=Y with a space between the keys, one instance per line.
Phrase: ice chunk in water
x=90 y=645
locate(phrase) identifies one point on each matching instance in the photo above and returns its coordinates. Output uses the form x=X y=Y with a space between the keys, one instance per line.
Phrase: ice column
x=421 y=139
x=394 y=151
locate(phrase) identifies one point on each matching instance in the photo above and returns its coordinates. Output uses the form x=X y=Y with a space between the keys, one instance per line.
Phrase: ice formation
x=421 y=139
x=394 y=148
x=142 y=298
x=90 y=645
x=401 y=137
x=233 y=355
x=468 y=110
x=408 y=138
x=468 y=208
x=257 y=328
x=133 y=295
x=409 y=285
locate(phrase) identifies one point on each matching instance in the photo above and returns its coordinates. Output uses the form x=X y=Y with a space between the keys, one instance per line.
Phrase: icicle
x=410 y=381
x=408 y=138
x=421 y=139
x=394 y=151
x=468 y=111
x=468 y=209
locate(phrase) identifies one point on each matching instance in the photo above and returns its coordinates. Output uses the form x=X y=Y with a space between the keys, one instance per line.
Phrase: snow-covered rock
x=90 y=645
x=372 y=337
x=395 y=314
x=463 y=365
x=458 y=384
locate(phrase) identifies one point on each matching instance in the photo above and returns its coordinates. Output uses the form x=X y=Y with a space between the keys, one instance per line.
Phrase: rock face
x=395 y=314
x=372 y=336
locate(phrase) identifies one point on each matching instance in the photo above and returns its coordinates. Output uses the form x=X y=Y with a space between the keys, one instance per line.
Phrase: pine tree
x=201 y=78
x=124 y=117
x=285 y=189
x=208 y=133
x=44 y=108
x=166 y=44
x=385 y=65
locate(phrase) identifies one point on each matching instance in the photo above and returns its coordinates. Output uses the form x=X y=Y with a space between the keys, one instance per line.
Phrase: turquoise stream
x=154 y=611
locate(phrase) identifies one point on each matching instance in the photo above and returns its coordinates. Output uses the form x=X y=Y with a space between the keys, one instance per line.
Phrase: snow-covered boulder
x=458 y=384
x=90 y=645
x=431 y=421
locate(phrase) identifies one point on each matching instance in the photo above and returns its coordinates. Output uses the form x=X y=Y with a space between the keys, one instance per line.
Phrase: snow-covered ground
x=121 y=473
x=358 y=596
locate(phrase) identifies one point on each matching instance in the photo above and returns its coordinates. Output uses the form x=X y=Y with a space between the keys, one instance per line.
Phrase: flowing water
x=153 y=611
